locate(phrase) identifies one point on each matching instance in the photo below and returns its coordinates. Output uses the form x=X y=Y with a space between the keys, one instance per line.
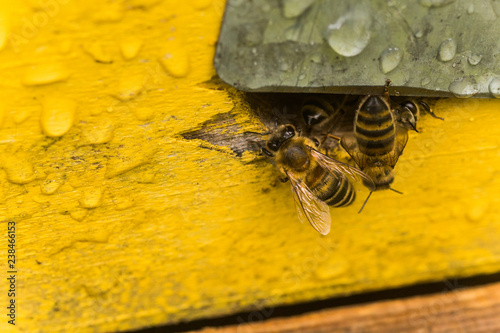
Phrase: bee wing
x=335 y=166
x=349 y=143
x=399 y=144
x=309 y=207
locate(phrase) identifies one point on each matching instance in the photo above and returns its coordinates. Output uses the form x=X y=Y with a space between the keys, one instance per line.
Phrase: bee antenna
x=428 y=109
x=368 y=197
x=390 y=188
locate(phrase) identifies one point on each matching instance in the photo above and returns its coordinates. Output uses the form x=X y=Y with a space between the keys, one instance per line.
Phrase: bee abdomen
x=339 y=192
x=317 y=110
x=375 y=132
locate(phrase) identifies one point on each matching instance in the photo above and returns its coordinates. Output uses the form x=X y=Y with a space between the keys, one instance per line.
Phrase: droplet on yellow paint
x=78 y=214
x=130 y=47
x=99 y=133
x=17 y=168
x=20 y=115
x=50 y=185
x=58 y=115
x=130 y=86
x=97 y=52
x=40 y=198
x=175 y=59
x=132 y=160
x=144 y=113
x=91 y=198
x=477 y=211
x=45 y=74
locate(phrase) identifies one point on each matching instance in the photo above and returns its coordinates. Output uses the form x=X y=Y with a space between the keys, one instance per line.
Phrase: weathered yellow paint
x=123 y=223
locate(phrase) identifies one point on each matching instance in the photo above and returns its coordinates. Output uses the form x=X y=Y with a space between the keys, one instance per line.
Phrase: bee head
x=282 y=134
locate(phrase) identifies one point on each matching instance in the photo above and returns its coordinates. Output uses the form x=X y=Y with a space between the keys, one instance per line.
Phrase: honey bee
x=377 y=140
x=409 y=111
x=317 y=180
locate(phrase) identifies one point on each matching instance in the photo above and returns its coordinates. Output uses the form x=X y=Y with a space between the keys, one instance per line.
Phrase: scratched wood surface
x=471 y=310
x=138 y=199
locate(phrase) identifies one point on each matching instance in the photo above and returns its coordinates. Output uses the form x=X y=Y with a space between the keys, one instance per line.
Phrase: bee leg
x=428 y=109
x=284 y=179
x=395 y=190
x=386 y=90
x=267 y=152
x=334 y=137
x=368 y=197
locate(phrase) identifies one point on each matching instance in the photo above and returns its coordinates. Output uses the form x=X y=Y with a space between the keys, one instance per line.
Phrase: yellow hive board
x=123 y=223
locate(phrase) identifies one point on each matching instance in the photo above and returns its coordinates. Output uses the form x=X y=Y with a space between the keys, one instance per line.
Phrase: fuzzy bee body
x=317 y=180
x=377 y=141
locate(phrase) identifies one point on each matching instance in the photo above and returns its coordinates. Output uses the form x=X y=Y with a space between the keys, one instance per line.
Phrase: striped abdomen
x=318 y=110
x=332 y=188
x=374 y=127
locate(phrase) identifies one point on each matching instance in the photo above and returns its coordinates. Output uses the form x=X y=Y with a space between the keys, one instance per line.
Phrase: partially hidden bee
x=317 y=180
x=409 y=111
x=377 y=140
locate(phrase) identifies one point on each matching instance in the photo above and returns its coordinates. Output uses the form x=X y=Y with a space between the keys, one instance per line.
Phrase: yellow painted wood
x=123 y=223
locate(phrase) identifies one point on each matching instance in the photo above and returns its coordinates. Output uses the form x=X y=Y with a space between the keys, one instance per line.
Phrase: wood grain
x=474 y=310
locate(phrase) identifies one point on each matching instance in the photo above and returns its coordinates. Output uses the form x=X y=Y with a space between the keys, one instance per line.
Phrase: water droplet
x=419 y=34
x=17 y=168
x=98 y=53
x=494 y=87
x=58 y=115
x=293 y=8
x=425 y=81
x=130 y=159
x=130 y=86
x=447 y=50
x=45 y=74
x=175 y=59
x=435 y=3
x=284 y=67
x=390 y=59
x=316 y=58
x=350 y=34
x=464 y=87
x=78 y=214
x=50 y=185
x=293 y=33
x=98 y=133
x=474 y=59
x=470 y=9
x=130 y=47
x=91 y=198
x=22 y=114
